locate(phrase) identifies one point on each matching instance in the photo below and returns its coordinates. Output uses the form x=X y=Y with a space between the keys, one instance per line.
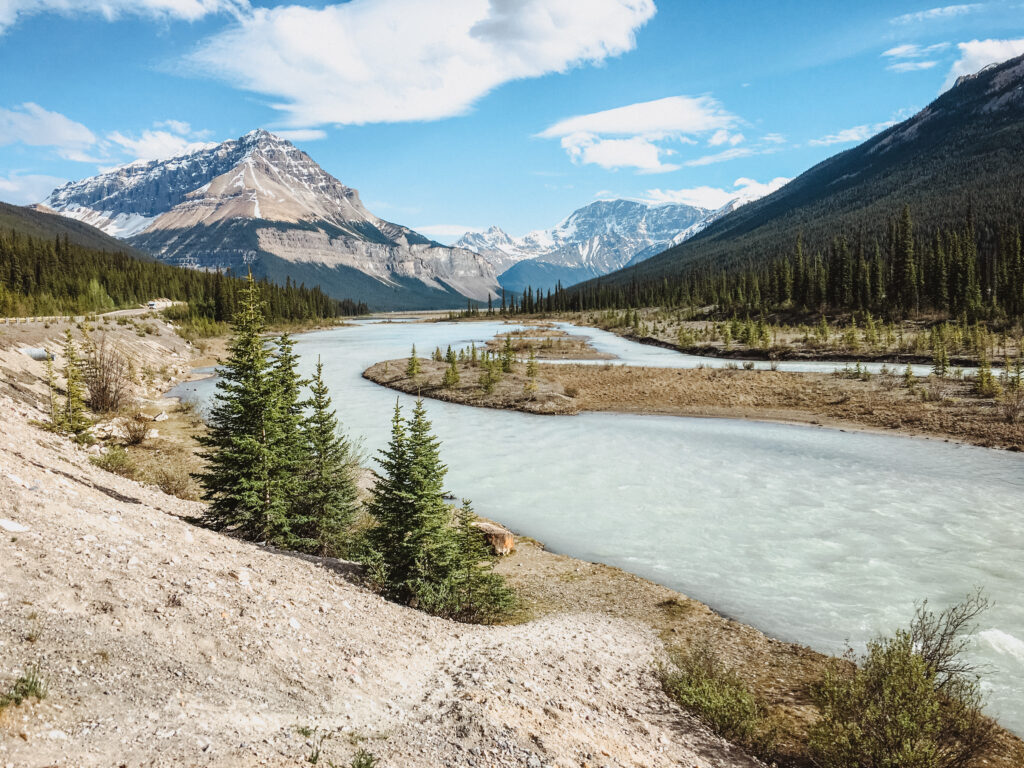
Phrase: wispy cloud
x=328 y=65
x=187 y=10
x=845 y=136
x=943 y=12
x=978 y=54
x=715 y=197
x=723 y=136
x=155 y=144
x=911 y=57
x=911 y=66
x=23 y=188
x=302 y=134
x=914 y=51
x=34 y=126
x=862 y=132
x=721 y=157
x=641 y=135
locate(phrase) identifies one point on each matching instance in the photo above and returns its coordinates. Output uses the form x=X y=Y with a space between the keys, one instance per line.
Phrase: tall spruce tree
x=391 y=507
x=290 y=446
x=73 y=417
x=413 y=533
x=480 y=594
x=329 y=497
x=242 y=474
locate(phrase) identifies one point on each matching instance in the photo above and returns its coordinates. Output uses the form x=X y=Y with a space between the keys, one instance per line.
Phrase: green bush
x=701 y=683
x=28 y=686
x=911 y=703
x=363 y=759
x=116 y=460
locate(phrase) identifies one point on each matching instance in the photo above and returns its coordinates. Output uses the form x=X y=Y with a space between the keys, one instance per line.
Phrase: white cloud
x=634 y=136
x=22 y=189
x=978 y=54
x=669 y=116
x=722 y=136
x=909 y=57
x=911 y=66
x=155 y=145
x=721 y=157
x=158 y=144
x=773 y=138
x=371 y=61
x=302 y=134
x=845 y=136
x=187 y=10
x=35 y=126
x=176 y=126
x=715 y=197
x=944 y=12
x=633 y=152
x=914 y=51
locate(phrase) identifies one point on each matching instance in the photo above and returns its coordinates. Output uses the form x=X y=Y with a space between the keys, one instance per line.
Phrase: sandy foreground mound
x=167 y=644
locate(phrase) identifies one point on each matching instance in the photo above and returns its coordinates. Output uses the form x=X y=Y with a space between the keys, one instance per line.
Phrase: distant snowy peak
x=498 y=247
x=597 y=238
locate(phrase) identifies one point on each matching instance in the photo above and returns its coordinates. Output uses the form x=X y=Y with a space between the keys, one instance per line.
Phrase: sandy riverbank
x=253 y=679
x=945 y=409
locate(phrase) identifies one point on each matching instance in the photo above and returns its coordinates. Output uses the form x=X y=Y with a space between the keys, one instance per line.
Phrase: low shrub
x=701 y=683
x=31 y=685
x=363 y=759
x=136 y=428
x=912 y=702
x=116 y=460
x=174 y=481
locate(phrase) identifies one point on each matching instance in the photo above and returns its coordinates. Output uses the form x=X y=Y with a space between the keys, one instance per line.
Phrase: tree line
x=57 y=277
x=962 y=271
x=279 y=470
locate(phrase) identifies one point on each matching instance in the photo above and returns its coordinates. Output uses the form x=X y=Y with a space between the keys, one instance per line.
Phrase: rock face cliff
x=260 y=203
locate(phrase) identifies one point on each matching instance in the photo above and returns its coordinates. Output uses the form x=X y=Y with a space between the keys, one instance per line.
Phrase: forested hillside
x=44 y=271
x=837 y=238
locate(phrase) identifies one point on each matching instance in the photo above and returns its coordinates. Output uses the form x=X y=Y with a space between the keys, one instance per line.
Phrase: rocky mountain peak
x=226 y=205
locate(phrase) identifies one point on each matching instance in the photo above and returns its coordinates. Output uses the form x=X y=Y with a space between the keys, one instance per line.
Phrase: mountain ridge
x=258 y=200
x=593 y=240
x=962 y=153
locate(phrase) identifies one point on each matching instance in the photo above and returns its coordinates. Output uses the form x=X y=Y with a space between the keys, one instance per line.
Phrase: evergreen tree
x=508 y=355
x=290 y=456
x=480 y=594
x=242 y=464
x=430 y=537
x=328 y=497
x=392 y=509
x=451 y=374
x=51 y=386
x=73 y=418
x=412 y=369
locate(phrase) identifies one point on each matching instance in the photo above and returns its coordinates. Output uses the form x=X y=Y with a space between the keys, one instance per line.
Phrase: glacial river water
x=812 y=535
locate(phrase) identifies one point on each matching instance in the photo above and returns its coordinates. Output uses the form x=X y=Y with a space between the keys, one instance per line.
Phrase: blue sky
x=456 y=114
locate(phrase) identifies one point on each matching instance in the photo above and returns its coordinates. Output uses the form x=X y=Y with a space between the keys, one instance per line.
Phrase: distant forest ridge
x=55 y=276
x=963 y=270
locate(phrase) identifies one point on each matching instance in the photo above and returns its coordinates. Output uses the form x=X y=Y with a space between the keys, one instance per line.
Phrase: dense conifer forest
x=55 y=276
x=963 y=271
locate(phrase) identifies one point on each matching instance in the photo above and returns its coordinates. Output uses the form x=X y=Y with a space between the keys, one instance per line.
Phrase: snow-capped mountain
x=260 y=203
x=594 y=240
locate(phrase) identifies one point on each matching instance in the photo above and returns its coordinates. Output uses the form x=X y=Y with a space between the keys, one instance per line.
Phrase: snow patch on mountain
x=220 y=206
x=595 y=239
